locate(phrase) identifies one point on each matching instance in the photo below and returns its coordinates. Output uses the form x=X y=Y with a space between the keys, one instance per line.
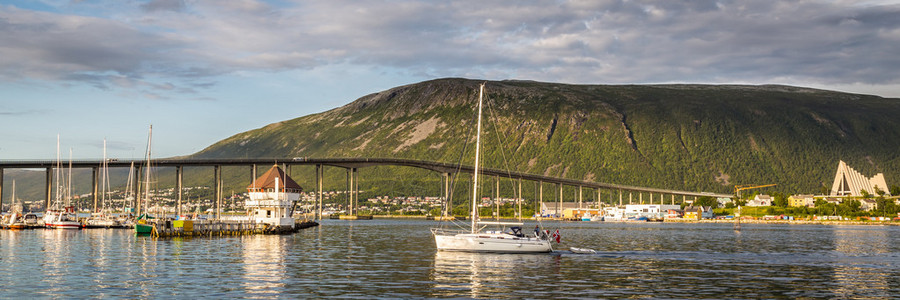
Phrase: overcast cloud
x=203 y=70
x=188 y=42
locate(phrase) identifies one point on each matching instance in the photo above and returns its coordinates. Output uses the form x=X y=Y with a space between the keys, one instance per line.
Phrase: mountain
x=686 y=137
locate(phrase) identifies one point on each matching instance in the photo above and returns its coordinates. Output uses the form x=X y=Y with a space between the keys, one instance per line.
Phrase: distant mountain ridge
x=682 y=136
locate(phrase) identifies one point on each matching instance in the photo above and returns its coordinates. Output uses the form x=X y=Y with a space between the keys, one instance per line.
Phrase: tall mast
x=147 y=175
x=477 y=154
x=128 y=187
x=69 y=181
x=58 y=170
x=103 y=175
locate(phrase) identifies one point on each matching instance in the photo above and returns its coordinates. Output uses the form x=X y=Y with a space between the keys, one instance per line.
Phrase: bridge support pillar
x=540 y=207
x=136 y=190
x=319 y=191
x=579 y=197
x=518 y=199
x=94 y=181
x=217 y=177
x=673 y=199
x=139 y=185
x=559 y=194
x=179 y=187
x=49 y=181
x=445 y=194
x=11 y=203
x=355 y=188
x=497 y=196
x=629 y=197
x=620 y=197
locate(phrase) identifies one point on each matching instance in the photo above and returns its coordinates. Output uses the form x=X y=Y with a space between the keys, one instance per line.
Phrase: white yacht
x=511 y=240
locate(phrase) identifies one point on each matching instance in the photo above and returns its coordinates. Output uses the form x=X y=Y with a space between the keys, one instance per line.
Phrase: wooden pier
x=191 y=228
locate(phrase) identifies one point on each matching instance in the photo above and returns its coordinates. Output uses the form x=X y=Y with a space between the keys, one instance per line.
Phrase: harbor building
x=849 y=182
x=658 y=211
x=272 y=198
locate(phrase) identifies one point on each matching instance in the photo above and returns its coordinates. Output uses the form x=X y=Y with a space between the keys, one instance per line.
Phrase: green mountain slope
x=687 y=137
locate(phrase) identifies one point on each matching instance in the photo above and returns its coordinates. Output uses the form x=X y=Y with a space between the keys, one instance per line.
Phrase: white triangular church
x=849 y=182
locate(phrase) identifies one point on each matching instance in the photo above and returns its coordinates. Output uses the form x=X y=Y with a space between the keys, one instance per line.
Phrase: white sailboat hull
x=490 y=242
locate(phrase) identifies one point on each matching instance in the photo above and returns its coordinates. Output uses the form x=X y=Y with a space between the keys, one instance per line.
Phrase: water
x=397 y=259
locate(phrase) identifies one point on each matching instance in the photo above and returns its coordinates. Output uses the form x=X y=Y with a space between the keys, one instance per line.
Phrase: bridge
x=352 y=165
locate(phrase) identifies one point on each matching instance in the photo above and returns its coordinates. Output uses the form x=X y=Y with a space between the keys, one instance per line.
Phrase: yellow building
x=801 y=201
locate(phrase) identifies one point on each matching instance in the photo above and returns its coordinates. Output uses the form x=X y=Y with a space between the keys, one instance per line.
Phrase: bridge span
x=352 y=165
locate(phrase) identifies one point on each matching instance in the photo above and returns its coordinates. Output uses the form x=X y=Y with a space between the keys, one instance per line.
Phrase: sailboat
x=102 y=218
x=476 y=239
x=142 y=227
x=126 y=218
x=62 y=218
x=16 y=219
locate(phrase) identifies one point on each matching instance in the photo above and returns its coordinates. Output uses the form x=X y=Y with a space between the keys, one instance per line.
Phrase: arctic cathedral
x=849 y=182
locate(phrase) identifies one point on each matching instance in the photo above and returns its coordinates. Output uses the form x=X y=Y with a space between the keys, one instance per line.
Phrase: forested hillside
x=688 y=137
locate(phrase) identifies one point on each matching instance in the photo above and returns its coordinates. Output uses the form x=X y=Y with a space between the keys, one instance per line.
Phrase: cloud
x=163 y=5
x=21 y=113
x=839 y=42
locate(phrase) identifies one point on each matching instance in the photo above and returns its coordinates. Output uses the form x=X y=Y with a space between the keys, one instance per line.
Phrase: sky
x=200 y=71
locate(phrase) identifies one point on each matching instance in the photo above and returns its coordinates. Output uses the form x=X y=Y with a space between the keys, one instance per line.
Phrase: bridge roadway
x=348 y=163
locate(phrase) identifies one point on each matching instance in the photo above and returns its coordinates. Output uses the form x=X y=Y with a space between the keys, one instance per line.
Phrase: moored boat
x=64 y=219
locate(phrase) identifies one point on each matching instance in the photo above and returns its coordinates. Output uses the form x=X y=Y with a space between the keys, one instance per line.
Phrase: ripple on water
x=397 y=259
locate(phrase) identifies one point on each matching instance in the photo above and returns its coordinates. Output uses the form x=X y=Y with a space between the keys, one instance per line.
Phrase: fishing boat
x=64 y=219
x=511 y=240
x=588 y=217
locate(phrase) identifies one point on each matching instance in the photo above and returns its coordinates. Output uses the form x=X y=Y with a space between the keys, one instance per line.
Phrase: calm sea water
x=397 y=259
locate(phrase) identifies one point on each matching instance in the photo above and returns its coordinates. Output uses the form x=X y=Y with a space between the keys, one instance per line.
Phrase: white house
x=868 y=204
x=760 y=200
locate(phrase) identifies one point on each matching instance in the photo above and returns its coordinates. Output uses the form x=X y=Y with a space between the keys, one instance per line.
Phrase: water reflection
x=478 y=275
x=859 y=251
x=397 y=259
x=263 y=264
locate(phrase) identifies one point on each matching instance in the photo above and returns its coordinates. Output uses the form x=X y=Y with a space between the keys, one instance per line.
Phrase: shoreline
x=789 y=222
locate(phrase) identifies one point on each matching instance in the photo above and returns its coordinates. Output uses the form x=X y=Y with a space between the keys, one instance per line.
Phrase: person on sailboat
x=537 y=231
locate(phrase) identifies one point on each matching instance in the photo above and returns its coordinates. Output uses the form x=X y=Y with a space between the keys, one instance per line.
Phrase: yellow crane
x=739 y=188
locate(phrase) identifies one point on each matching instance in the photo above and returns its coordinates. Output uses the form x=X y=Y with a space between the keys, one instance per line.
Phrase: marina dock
x=188 y=228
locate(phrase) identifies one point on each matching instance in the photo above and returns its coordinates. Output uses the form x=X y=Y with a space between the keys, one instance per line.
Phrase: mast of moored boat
x=58 y=175
x=13 y=199
x=477 y=153
x=69 y=181
x=128 y=188
x=147 y=174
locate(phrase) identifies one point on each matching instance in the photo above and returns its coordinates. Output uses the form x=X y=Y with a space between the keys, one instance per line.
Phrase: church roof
x=848 y=181
x=267 y=180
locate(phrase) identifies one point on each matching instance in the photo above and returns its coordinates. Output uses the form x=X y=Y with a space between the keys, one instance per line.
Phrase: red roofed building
x=267 y=182
x=272 y=198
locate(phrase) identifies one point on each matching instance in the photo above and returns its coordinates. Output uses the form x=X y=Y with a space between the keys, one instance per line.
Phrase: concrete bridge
x=352 y=165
